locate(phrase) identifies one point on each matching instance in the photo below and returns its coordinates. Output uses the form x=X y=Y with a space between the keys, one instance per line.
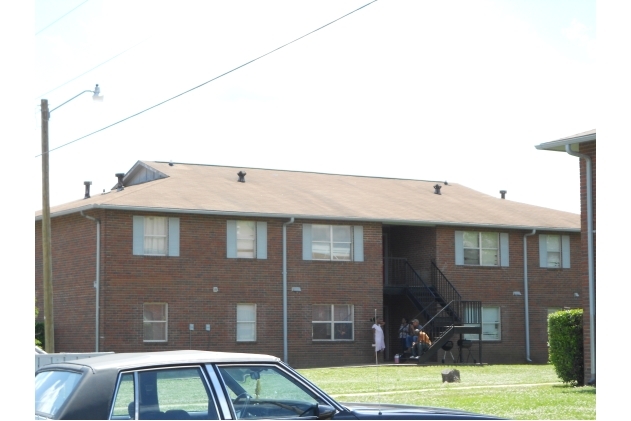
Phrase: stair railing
x=445 y=289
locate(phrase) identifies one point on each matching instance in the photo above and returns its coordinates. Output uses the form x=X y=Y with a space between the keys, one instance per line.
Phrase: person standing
x=404 y=331
x=378 y=335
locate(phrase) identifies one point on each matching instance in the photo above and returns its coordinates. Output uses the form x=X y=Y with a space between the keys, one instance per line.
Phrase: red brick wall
x=494 y=286
x=73 y=250
x=186 y=284
x=589 y=149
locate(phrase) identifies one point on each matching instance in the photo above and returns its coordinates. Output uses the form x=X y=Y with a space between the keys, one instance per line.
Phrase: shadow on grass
x=588 y=390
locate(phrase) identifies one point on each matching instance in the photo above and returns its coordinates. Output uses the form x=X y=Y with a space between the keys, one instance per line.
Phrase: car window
x=124 y=399
x=52 y=389
x=267 y=392
x=174 y=393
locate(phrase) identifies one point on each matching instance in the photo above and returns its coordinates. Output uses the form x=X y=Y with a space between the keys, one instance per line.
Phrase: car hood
x=392 y=411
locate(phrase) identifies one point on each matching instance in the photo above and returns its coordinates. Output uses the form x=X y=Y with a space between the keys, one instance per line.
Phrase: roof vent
x=503 y=193
x=437 y=189
x=87 y=189
x=446 y=183
x=120 y=176
x=241 y=175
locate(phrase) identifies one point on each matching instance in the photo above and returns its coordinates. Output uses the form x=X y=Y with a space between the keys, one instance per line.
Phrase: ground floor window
x=332 y=322
x=491 y=325
x=155 y=321
x=246 y=322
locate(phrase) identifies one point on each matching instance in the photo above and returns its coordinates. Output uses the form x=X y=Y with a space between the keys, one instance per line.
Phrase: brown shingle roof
x=192 y=188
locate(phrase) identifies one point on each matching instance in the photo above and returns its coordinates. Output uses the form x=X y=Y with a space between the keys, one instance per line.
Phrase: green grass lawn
x=510 y=391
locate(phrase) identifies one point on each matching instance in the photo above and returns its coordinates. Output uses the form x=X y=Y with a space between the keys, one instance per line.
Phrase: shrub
x=565 y=333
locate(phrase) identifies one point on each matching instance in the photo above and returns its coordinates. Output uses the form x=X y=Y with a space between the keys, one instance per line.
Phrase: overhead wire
x=207 y=82
x=58 y=19
x=97 y=66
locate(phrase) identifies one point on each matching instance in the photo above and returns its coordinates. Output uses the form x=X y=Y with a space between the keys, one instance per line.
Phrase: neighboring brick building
x=184 y=244
x=583 y=145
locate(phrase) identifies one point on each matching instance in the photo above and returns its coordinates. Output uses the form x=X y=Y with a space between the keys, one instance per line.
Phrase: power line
x=88 y=71
x=58 y=19
x=211 y=80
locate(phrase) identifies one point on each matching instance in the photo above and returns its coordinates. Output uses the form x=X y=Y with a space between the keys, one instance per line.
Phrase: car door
x=169 y=393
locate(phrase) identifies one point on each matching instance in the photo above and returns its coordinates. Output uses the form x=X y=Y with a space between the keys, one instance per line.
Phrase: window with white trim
x=246 y=322
x=332 y=322
x=554 y=251
x=155 y=318
x=333 y=242
x=491 y=325
x=246 y=239
x=479 y=248
x=156 y=236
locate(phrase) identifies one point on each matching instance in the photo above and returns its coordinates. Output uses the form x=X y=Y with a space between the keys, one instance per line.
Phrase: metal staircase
x=442 y=312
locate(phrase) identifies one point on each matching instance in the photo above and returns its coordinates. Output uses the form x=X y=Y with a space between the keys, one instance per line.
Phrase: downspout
x=97 y=285
x=285 y=353
x=527 y=313
x=590 y=261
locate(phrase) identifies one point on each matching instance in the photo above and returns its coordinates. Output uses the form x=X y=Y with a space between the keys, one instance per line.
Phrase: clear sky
x=432 y=90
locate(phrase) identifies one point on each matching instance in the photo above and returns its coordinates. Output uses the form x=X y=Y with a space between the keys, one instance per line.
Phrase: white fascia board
x=308 y=217
x=559 y=145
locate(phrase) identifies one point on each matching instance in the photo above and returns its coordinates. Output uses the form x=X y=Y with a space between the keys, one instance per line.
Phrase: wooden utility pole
x=49 y=324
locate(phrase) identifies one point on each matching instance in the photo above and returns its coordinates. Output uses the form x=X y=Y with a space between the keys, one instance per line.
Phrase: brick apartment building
x=296 y=264
x=583 y=145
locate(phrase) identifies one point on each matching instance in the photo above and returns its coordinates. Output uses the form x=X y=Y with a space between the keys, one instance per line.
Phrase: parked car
x=198 y=385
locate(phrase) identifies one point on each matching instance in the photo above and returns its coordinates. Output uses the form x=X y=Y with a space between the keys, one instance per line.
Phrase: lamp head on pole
x=96 y=92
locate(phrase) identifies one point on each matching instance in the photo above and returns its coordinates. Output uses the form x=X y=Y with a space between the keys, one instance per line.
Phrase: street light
x=49 y=325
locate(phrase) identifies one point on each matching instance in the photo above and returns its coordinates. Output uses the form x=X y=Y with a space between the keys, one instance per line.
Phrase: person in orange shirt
x=421 y=343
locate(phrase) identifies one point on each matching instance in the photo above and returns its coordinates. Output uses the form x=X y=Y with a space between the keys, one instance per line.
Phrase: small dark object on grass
x=451 y=376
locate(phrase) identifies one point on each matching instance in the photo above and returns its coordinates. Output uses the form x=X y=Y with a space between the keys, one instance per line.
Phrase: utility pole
x=49 y=324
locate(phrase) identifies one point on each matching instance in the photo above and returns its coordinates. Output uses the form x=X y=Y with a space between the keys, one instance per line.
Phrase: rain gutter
x=285 y=339
x=590 y=260
x=97 y=283
x=526 y=307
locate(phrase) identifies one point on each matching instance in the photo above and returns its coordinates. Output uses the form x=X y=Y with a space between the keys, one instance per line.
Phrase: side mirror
x=324 y=412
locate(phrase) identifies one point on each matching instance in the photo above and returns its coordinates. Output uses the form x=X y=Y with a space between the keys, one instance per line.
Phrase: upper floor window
x=247 y=239
x=333 y=242
x=156 y=236
x=554 y=251
x=476 y=248
x=332 y=322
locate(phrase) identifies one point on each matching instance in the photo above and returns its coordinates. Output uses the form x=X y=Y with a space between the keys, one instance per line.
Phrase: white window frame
x=334 y=326
x=562 y=251
x=331 y=243
x=165 y=322
x=242 y=323
x=150 y=222
x=486 y=323
x=480 y=249
x=241 y=253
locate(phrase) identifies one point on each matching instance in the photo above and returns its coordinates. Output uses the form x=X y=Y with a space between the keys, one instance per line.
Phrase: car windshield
x=267 y=392
x=52 y=389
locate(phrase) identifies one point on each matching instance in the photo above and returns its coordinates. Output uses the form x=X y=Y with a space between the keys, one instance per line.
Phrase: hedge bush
x=565 y=334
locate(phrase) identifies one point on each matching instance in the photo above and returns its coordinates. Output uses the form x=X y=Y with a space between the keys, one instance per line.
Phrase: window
x=491 y=326
x=52 y=390
x=156 y=236
x=164 y=394
x=332 y=322
x=474 y=248
x=246 y=239
x=267 y=392
x=554 y=251
x=246 y=322
x=155 y=318
x=332 y=242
